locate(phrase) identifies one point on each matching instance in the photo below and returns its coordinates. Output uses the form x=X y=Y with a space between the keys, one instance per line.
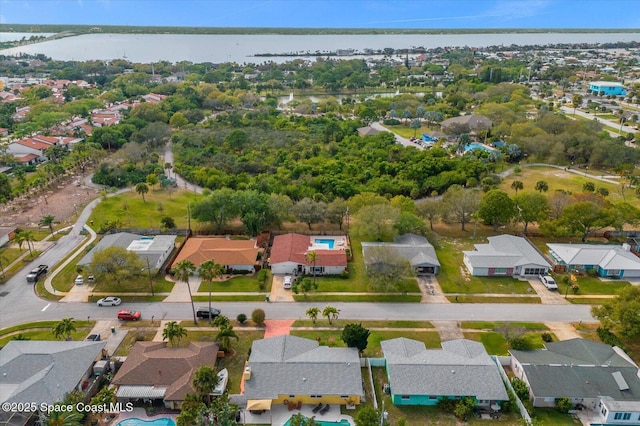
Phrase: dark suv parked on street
x=205 y=313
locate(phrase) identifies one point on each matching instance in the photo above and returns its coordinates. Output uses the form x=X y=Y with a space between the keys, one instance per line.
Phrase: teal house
x=462 y=368
x=607 y=88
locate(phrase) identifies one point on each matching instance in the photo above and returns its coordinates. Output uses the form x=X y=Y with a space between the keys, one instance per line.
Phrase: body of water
x=162 y=421
x=242 y=48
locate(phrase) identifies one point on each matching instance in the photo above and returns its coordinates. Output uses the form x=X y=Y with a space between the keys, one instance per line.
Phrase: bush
x=563 y=405
x=520 y=343
x=258 y=316
x=391 y=122
x=521 y=388
x=609 y=338
x=242 y=318
x=547 y=337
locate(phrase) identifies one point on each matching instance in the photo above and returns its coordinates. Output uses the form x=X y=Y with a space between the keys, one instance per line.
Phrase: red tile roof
x=32 y=143
x=294 y=247
x=27 y=158
x=221 y=250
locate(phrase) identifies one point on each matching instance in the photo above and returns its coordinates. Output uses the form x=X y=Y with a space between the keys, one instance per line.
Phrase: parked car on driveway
x=288 y=281
x=109 y=301
x=79 y=280
x=204 y=313
x=94 y=337
x=549 y=282
x=129 y=315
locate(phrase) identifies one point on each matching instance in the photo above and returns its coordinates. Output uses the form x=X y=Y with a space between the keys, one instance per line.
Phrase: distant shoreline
x=121 y=29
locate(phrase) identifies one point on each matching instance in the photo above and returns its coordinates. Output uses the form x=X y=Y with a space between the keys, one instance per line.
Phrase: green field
x=496 y=344
x=129 y=211
x=242 y=283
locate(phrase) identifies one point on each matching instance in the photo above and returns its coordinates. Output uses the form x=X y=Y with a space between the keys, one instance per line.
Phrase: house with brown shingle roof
x=289 y=252
x=153 y=370
x=232 y=254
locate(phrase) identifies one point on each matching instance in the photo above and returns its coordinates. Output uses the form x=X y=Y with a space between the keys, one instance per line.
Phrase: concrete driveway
x=547 y=297
x=278 y=292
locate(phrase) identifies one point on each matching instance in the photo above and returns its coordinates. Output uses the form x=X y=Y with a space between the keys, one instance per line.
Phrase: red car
x=129 y=315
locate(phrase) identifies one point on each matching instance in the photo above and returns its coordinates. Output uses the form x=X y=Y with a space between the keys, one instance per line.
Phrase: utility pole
x=150 y=278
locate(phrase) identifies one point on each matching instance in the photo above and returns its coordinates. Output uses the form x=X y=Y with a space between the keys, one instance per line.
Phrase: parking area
x=547 y=297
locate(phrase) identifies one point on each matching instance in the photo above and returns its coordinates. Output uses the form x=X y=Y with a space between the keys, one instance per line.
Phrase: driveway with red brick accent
x=277 y=327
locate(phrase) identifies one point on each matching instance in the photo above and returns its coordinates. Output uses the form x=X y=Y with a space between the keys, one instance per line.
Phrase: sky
x=329 y=13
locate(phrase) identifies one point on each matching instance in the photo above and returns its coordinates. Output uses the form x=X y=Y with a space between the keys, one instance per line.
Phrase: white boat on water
x=223 y=375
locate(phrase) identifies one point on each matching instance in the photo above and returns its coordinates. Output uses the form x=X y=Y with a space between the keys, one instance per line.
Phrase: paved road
x=358 y=311
x=605 y=121
x=168 y=158
x=399 y=139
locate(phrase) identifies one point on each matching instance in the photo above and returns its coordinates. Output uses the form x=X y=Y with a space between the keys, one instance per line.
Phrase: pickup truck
x=36 y=273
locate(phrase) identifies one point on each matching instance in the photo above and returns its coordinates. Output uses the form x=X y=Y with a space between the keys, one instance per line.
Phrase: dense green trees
x=621 y=314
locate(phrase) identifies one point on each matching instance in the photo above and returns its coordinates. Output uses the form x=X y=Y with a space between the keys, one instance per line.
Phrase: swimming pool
x=325 y=242
x=163 y=421
x=342 y=422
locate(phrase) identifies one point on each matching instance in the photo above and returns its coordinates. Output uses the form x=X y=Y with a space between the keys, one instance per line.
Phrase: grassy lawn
x=43 y=331
x=489 y=299
x=454 y=278
x=549 y=416
x=586 y=301
x=407 y=132
x=322 y=322
x=333 y=338
x=389 y=298
x=591 y=285
x=243 y=283
x=564 y=180
x=488 y=325
x=131 y=212
x=496 y=344
x=239 y=298
x=235 y=362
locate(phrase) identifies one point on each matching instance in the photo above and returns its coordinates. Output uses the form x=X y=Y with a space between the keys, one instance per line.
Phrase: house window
x=617 y=416
x=316 y=396
x=317 y=269
x=292 y=396
x=406 y=397
x=626 y=416
x=433 y=397
x=344 y=396
x=500 y=271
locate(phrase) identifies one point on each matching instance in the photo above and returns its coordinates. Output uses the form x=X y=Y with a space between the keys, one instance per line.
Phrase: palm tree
x=173 y=332
x=517 y=185
x=313 y=313
x=142 y=189
x=463 y=141
x=542 y=186
x=63 y=418
x=310 y=257
x=331 y=313
x=64 y=328
x=415 y=125
x=224 y=336
x=205 y=379
x=47 y=221
x=19 y=239
x=183 y=270
x=209 y=271
x=29 y=239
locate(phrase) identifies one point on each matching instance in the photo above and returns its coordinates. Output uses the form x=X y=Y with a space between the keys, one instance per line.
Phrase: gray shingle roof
x=414 y=248
x=289 y=365
x=578 y=368
x=461 y=368
x=505 y=251
x=44 y=371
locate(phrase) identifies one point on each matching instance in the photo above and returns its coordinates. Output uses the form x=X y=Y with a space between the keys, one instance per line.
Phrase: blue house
x=608 y=261
x=462 y=368
x=607 y=88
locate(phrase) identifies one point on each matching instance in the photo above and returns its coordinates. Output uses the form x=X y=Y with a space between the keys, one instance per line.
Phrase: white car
x=109 y=301
x=288 y=281
x=549 y=282
x=79 y=280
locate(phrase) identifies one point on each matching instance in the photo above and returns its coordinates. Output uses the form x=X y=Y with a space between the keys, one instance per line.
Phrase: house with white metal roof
x=155 y=249
x=288 y=369
x=415 y=249
x=606 y=260
x=505 y=255
x=462 y=368
x=599 y=377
